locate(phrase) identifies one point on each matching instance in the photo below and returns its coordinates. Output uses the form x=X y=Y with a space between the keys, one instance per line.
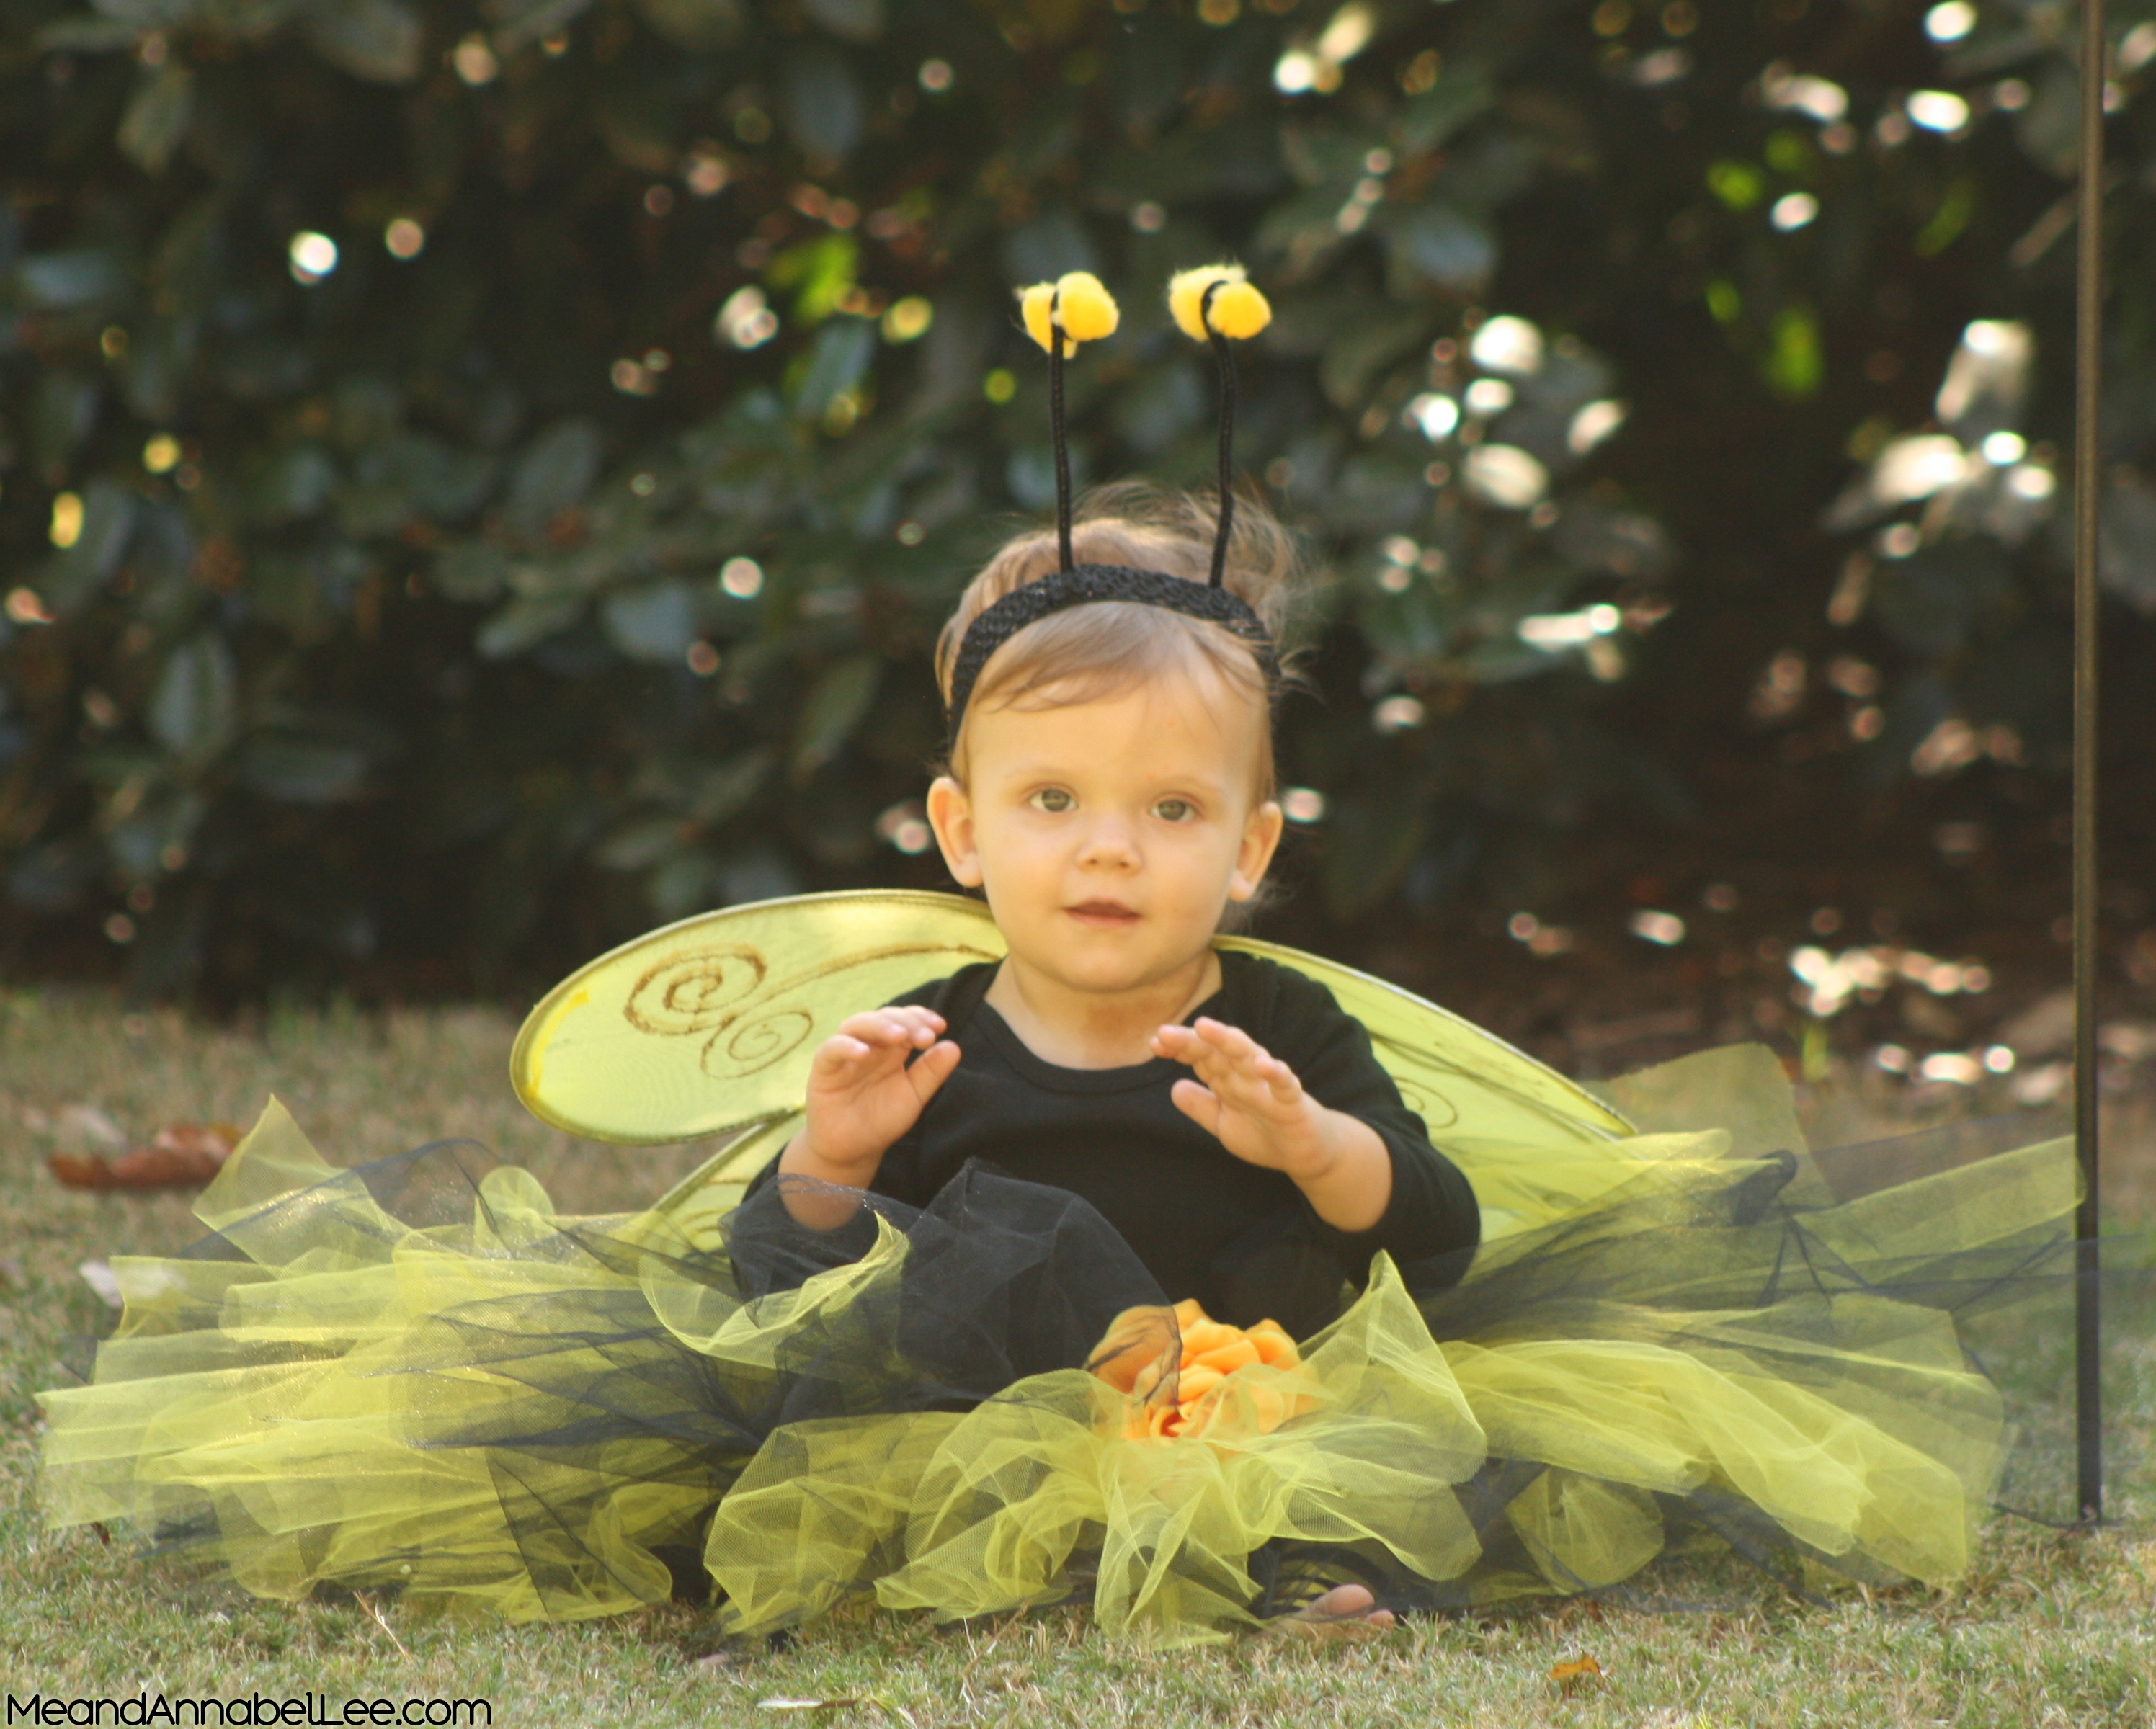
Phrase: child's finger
x=1231 y=1042
x=836 y=1058
x=931 y=1068
x=1200 y=1104
x=1180 y=1042
x=891 y=1026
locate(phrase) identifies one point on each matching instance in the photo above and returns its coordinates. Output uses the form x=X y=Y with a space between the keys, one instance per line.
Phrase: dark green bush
x=474 y=482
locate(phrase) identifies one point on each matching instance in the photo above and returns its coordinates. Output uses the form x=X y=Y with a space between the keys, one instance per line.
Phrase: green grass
x=2050 y=1627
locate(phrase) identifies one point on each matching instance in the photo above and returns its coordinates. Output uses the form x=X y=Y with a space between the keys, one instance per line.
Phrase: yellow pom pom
x=1036 y=306
x=1238 y=309
x=1186 y=295
x=1084 y=308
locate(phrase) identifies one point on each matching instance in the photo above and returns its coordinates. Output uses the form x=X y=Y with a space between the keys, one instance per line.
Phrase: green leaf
x=833 y=707
x=194 y=708
x=108 y=521
x=683 y=885
x=302 y=772
x=524 y=22
x=295 y=483
x=723 y=793
x=1794 y=364
x=64 y=414
x=525 y=622
x=1051 y=245
x=1161 y=404
x=819 y=272
x=1373 y=838
x=2126 y=549
x=1436 y=245
x=641 y=843
x=1929 y=602
x=823 y=104
x=471 y=571
x=654 y=623
x=699 y=26
x=553 y=473
x=852 y=20
x=412 y=475
x=1739 y=185
x=56 y=281
x=1356 y=352
x=1427 y=121
x=1377 y=492
x=1949 y=219
x=834 y=365
x=379 y=40
x=157 y=117
x=85 y=33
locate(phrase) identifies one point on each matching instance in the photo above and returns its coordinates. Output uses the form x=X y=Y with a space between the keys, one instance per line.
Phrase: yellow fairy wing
x=1465 y=1084
x=710 y=1025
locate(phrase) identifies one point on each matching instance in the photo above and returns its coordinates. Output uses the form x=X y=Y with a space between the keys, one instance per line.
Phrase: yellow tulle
x=494 y=1406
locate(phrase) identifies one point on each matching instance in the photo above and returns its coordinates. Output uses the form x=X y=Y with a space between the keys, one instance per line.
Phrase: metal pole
x=2089 y=474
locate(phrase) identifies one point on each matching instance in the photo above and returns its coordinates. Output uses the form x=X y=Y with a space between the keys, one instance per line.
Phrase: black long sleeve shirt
x=1240 y=1239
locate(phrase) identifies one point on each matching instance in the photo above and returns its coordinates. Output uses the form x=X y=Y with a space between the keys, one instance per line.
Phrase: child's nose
x=1109 y=840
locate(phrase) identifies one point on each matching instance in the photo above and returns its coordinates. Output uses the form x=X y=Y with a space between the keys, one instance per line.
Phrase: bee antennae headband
x=1211 y=305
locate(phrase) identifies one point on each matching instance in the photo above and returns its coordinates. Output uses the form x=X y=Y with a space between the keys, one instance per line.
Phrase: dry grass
x=2052 y=1628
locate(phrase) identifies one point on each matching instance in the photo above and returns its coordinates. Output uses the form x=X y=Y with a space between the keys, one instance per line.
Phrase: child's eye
x=1176 y=810
x=1052 y=798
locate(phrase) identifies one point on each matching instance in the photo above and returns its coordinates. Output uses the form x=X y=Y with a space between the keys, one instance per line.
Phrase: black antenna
x=1062 y=443
x=2088 y=357
x=1225 y=354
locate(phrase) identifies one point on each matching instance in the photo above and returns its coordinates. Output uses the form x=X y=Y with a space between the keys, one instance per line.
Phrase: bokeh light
x=1937 y=110
x=1398 y=714
x=746 y=320
x=475 y=61
x=1792 y=210
x=312 y=256
x=906 y=319
x=66 y=527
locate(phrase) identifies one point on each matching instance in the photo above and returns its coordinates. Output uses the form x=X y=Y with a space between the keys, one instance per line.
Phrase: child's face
x=1142 y=802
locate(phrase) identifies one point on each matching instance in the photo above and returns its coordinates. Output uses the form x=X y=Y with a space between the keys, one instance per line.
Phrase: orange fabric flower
x=1182 y=1364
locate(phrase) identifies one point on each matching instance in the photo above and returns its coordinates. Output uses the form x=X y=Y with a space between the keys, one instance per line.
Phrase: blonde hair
x=1104 y=648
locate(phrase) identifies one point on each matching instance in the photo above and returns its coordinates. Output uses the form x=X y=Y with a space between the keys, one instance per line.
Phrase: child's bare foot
x=1346 y=1612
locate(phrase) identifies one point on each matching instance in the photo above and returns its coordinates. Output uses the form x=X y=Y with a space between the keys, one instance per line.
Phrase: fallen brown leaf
x=182 y=1154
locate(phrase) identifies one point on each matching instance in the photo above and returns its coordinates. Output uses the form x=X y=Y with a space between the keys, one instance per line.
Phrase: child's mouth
x=1105 y=914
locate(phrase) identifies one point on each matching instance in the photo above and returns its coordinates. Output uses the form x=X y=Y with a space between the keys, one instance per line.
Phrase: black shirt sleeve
x=1432 y=1213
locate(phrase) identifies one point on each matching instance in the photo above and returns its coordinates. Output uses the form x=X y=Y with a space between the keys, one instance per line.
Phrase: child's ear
x=951 y=815
x=1262 y=836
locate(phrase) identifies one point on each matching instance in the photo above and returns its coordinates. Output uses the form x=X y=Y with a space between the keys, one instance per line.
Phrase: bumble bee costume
x=1682 y=1328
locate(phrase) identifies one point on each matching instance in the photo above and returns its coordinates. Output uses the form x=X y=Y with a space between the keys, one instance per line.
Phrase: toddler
x=1110 y=789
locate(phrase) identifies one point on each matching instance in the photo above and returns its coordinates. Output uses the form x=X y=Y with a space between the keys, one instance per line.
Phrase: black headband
x=1032 y=602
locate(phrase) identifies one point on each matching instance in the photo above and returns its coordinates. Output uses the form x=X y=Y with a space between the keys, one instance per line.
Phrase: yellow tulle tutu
x=415 y=1376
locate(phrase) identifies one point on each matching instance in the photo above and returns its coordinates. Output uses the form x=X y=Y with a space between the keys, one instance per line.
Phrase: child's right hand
x=863 y=1094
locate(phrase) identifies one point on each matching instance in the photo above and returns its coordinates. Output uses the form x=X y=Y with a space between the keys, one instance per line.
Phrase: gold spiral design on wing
x=695 y=993
x=1433 y=1107
x=757 y=1042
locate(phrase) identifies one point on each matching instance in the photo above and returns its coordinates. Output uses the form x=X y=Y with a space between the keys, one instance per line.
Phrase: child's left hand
x=1252 y=1101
